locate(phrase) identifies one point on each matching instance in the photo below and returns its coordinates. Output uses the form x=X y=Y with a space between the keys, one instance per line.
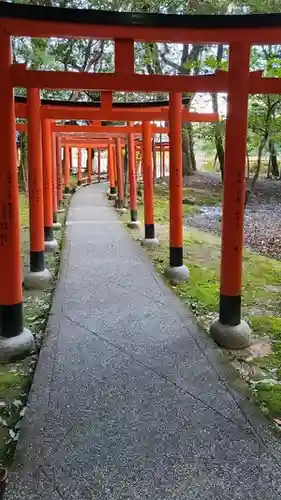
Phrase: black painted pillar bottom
x=230 y=310
x=149 y=231
x=134 y=215
x=11 y=320
x=176 y=256
x=79 y=183
x=37 y=261
x=48 y=233
x=113 y=190
x=55 y=217
x=60 y=205
x=67 y=189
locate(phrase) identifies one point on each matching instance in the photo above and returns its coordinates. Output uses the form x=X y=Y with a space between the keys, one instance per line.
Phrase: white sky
x=202 y=103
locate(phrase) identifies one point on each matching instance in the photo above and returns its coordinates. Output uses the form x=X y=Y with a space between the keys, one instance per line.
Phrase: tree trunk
x=218 y=136
x=218 y=126
x=23 y=169
x=191 y=148
x=273 y=159
x=188 y=156
x=258 y=167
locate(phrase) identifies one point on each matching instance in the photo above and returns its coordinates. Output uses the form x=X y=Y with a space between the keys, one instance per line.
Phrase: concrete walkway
x=130 y=400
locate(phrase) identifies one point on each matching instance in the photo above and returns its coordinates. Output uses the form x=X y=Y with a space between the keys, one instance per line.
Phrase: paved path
x=130 y=400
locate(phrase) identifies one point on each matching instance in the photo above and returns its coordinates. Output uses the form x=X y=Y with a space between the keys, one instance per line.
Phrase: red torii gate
x=105 y=106
x=125 y=28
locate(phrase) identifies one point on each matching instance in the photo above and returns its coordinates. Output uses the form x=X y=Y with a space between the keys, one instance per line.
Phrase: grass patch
x=261 y=290
x=16 y=378
x=261 y=307
x=202 y=196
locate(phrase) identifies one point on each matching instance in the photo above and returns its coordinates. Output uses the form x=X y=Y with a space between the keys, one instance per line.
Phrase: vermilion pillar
x=79 y=167
x=54 y=182
x=120 y=175
x=148 y=188
x=177 y=271
x=66 y=169
x=115 y=164
x=14 y=339
x=59 y=175
x=99 y=164
x=89 y=165
x=134 y=223
x=110 y=170
x=229 y=330
x=161 y=156
x=51 y=244
x=163 y=163
x=38 y=277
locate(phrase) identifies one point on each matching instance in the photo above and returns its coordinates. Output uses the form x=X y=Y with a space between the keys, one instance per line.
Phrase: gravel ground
x=262 y=216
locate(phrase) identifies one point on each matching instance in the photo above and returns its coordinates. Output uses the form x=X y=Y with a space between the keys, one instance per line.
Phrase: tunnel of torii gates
x=240 y=32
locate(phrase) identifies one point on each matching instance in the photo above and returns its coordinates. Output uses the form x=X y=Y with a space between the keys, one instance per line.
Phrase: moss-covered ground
x=261 y=294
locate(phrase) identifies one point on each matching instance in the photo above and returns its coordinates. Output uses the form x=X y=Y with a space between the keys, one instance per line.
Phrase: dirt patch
x=262 y=223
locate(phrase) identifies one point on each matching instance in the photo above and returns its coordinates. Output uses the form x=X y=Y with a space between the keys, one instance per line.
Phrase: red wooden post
x=161 y=148
x=54 y=183
x=148 y=187
x=89 y=165
x=15 y=340
x=114 y=164
x=51 y=245
x=67 y=168
x=59 y=175
x=229 y=331
x=99 y=164
x=133 y=223
x=110 y=169
x=177 y=271
x=38 y=276
x=79 y=167
x=120 y=175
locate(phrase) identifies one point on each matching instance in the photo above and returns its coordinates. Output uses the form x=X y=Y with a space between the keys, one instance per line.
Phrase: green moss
x=14 y=382
x=269 y=324
x=161 y=211
x=261 y=293
x=270 y=397
x=11 y=382
x=201 y=291
x=202 y=196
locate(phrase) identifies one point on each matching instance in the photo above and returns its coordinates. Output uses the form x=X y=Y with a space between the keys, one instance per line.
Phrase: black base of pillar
x=176 y=256
x=37 y=261
x=48 y=234
x=11 y=320
x=55 y=217
x=79 y=183
x=134 y=215
x=113 y=190
x=60 y=205
x=149 y=231
x=230 y=310
x=67 y=190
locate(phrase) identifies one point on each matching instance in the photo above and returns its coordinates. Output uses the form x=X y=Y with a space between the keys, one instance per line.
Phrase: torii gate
x=106 y=108
x=240 y=32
